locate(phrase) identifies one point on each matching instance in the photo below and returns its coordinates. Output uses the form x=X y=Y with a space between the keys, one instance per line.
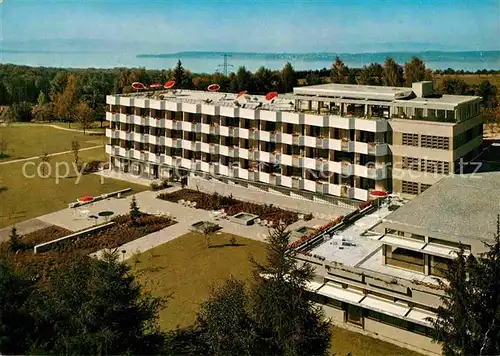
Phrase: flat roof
x=355 y=91
x=400 y=95
x=380 y=95
x=460 y=206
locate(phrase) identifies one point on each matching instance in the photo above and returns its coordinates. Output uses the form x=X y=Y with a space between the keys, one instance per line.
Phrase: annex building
x=329 y=140
x=378 y=271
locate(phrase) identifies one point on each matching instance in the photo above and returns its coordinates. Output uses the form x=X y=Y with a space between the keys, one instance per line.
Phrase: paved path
x=326 y=211
x=73 y=220
x=56 y=127
x=50 y=155
x=23 y=228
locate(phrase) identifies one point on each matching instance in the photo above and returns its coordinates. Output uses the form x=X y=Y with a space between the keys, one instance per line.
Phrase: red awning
x=155 y=85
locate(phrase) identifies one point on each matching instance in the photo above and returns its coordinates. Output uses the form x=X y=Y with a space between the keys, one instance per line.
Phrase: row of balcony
x=321 y=165
x=296 y=182
x=294 y=118
x=375 y=149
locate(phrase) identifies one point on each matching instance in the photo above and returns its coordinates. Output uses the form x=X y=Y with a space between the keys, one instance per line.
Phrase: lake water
x=211 y=61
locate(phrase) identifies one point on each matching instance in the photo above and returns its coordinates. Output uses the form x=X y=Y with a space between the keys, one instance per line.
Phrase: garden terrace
x=230 y=205
x=42 y=264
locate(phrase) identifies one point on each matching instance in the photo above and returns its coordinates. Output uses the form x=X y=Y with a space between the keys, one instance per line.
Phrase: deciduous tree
x=415 y=71
x=64 y=102
x=83 y=115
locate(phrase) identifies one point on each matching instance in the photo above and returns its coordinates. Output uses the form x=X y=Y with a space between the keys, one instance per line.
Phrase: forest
x=41 y=94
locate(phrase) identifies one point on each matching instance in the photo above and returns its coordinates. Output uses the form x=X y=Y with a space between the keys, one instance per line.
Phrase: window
x=354 y=315
x=403 y=258
x=409 y=187
x=333 y=303
x=424 y=187
x=410 y=163
x=439 y=142
x=386 y=319
x=410 y=139
x=431 y=166
x=448 y=243
x=438 y=265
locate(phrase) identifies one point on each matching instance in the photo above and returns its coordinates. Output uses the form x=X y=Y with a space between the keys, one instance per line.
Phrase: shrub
x=393 y=207
x=154 y=186
x=308 y=217
x=232 y=240
x=92 y=166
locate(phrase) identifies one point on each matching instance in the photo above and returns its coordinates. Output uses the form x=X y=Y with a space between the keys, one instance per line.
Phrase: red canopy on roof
x=271 y=95
x=213 y=87
x=169 y=84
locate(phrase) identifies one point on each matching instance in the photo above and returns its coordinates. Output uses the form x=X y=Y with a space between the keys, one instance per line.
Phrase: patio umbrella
x=86 y=199
x=378 y=193
x=138 y=86
x=271 y=95
x=241 y=93
x=213 y=87
x=169 y=84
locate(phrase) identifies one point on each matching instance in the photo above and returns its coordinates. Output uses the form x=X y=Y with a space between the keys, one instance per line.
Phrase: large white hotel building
x=327 y=141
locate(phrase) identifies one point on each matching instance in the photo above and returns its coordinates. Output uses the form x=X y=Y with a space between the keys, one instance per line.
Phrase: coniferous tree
x=135 y=212
x=288 y=78
x=286 y=320
x=468 y=322
x=273 y=318
x=179 y=74
x=16 y=323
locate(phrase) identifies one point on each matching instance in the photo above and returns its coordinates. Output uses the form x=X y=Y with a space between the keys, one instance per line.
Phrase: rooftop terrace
x=333 y=93
x=355 y=245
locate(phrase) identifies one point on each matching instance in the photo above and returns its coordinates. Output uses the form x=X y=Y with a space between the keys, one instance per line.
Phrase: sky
x=167 y=26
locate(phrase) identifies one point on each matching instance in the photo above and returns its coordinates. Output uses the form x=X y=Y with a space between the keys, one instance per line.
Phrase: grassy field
x=25 y=198
x=185 y=269
x=28 y=140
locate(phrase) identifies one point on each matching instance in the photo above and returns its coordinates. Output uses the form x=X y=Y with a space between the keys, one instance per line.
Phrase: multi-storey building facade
x=331 y=139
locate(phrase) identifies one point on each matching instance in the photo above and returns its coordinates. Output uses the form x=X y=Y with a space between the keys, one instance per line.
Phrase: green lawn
x=185 y=268
x=25 y=198
x=29 y=140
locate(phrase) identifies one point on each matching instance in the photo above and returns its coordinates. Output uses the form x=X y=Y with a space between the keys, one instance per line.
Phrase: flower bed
x=42 y=264
x=316 y=232
x=230 y=205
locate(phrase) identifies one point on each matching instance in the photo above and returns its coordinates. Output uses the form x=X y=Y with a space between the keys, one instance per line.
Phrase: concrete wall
x=335 y=314
x=402 y=336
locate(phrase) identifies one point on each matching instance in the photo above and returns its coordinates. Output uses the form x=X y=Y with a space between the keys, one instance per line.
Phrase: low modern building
x=378 y=271
x=332 y=140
